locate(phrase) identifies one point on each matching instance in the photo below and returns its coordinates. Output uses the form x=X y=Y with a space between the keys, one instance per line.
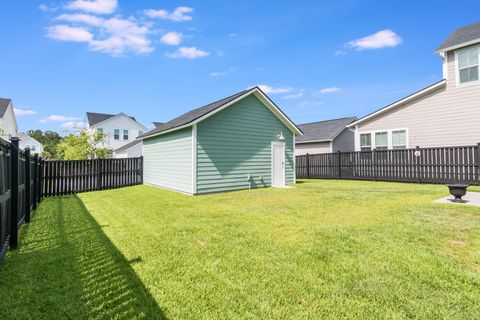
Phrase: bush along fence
x=20 y=190
x=421 y=165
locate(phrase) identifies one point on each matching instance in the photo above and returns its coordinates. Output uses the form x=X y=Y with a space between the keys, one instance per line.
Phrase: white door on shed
x=278 y=164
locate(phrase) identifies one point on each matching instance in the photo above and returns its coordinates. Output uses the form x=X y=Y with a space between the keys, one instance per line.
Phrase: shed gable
x=236 y=143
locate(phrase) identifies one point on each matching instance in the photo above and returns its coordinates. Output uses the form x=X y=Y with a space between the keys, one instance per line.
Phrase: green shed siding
x=236 y=143
x=168 y=160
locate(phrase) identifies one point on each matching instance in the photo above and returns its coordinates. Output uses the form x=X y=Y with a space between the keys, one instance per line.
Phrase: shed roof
x=325 y=130
x=190 y=117
x=128 y=145
x=466 y=35
x=4 y=106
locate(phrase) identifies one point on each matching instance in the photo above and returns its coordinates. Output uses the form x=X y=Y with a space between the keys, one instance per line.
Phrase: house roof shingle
x=3 y=106
x=156 y=124
x=461 y=35
x=323 y=130
x=193 y=115
x=93 y=118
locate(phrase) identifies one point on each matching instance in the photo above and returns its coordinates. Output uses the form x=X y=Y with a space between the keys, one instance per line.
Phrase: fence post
x=141 y=169
x=14 y=192
x=417 y=158
x=308 y=165
x=478 y=162
x=41 y=183
x=28 y=187
x=35 y=181
x=339 y=162
x=99 y=173
x=374 y=155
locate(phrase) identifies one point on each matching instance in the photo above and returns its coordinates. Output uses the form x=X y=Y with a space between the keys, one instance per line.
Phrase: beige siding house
x=446 y=113
x=325 y=137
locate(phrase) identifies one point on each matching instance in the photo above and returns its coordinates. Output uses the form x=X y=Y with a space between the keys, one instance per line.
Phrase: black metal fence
x=26 y=178
x=72 y=176
x=20 y=180
x=421 y=165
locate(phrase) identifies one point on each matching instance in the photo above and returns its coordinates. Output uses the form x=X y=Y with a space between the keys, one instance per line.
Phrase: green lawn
x=324 y=249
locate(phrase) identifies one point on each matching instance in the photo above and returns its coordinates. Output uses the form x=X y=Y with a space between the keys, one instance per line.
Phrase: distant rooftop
x=464 y=35
x=93 y=118
x=325 y=130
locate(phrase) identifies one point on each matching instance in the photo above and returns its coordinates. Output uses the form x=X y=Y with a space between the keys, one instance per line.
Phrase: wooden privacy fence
x=72 y=176
x=20 y=190
x=421 y=165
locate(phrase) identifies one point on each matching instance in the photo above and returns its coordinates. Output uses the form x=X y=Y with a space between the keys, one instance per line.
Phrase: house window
x=399 y=139
x=116 y=134
x=365 y=142
x=468 y=65
x=381 y=140
x=32 y=148
x=125 y=134
x=100 y=130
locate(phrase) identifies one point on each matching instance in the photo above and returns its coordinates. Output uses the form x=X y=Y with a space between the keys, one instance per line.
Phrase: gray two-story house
x=447 y=113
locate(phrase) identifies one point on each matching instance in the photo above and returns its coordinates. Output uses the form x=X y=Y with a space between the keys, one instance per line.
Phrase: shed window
x=399 y=139
x=365 y=142
x=468 y=65
x=125 y=134
x=381 y=140
x=116 y=134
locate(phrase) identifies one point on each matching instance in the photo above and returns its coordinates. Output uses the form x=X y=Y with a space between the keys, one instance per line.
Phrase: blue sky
x=157 y=59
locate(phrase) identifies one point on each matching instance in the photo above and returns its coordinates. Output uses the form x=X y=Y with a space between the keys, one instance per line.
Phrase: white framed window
x=386 y=139
x=33 y=148
x=100 y=130
x=116 y=134
x=125 y=134
x=365 y=141
x=468 y=65
x=381 y=140
x=399 y=139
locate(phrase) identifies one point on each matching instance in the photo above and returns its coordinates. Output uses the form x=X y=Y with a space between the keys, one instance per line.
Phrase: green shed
x=239 y=142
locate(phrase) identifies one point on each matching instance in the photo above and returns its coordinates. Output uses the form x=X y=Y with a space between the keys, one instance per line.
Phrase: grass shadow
x=66 y=267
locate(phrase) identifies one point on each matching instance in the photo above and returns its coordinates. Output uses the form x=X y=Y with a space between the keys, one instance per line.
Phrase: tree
x=82 y=145
x=49 y=139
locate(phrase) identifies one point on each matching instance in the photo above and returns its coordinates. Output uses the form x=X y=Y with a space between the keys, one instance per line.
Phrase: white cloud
x=179 y=14
x=59 y=118
x=305 y=104
x=340 y=53
x=43 y=7
x=328 y=90
x=189 y=53
x=94 y=6
x=172 y=38
x=23 y=112
x=293 y=95
x=273 y=90
x=72 y=125
x=81 y=18
x=221 y=73
x=113 y=36
x=381 y=39
x=63 y=32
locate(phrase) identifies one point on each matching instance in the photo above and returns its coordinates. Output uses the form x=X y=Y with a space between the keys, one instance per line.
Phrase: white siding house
x=120 y=129
x=28 y=142
x=8 y=122
x=446 y=113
